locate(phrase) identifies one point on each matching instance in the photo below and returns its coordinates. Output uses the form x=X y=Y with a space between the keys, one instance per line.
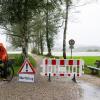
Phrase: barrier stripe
x=45 y=74
x=54 y=74
x=69 y=74
x=54 y=62
x=63 y=74
x=78 y=74
x=46 y=61
x=70 y=62
x=61 y=62
x=78 y=62
x=62 y=67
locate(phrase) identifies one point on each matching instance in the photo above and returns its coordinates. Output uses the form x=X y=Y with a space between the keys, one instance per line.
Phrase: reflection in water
x=90 y=92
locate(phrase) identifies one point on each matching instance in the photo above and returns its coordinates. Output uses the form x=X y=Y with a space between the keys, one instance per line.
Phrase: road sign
x=71 y=42
x=71 y=46
x=26 y=72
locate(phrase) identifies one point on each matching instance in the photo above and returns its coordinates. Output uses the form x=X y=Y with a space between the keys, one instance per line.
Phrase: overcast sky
x=86 y=28
x=2 y=38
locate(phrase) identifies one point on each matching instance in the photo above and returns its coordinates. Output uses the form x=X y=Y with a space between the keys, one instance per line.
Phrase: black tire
x=10 y=73
x=1 y=72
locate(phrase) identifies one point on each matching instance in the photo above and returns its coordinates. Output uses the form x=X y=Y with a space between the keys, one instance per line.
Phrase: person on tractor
x=3 y=60
x=6 y=68
x=3 y=54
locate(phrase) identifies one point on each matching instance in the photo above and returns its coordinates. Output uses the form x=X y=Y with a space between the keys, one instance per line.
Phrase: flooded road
x=90 y=92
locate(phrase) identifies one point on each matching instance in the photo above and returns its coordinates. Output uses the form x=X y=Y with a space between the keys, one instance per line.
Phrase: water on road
x=90 y=92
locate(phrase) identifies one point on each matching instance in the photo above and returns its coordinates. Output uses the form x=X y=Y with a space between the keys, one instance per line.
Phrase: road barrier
x=62 y=67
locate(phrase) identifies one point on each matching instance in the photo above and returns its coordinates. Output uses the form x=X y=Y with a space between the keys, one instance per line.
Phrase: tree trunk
x=25 y=30
x=38 y=48
x=47 y=33
x=25 y=49
x=41 y=43
x=65 y=29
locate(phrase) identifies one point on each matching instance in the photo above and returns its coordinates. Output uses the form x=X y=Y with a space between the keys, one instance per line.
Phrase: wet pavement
x=88 y=88
x=90 y=92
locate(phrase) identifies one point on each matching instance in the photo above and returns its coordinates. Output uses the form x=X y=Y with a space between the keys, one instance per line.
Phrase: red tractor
x=6 y=68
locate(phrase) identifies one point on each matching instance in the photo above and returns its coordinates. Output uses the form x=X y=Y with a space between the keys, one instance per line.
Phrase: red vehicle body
x=3 y=53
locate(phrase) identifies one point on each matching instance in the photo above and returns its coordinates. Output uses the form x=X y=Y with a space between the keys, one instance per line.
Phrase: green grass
x=89 y=61
x=18 y=61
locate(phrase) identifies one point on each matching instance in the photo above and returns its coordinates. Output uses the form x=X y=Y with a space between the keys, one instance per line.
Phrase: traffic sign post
x=71 y=43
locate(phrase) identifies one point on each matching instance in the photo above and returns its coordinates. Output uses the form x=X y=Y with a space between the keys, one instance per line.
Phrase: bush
x=18 y=59
x=35 y=51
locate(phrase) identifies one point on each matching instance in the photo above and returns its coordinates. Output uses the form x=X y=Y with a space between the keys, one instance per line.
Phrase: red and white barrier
x=62 y=67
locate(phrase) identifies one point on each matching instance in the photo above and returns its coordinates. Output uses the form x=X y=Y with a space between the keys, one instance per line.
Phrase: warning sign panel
x=26 y=72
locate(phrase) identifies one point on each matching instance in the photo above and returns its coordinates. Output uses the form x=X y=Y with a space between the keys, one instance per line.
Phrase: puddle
x=90 y=92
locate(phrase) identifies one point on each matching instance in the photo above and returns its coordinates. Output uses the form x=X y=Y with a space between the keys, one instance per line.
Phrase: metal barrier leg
x=49 y=78
x=74 y=79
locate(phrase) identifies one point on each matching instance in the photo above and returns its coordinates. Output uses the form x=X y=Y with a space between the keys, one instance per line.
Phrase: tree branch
x=81 y=4
x=12 y=35
x=5 y=28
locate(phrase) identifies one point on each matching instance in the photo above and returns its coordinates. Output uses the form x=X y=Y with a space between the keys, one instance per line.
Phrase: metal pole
x=49 y=79
x=71 y=53
x=74 y=78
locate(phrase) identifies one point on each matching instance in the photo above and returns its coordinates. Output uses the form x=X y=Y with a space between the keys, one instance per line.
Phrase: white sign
x=26 y=77
x=26 y=72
